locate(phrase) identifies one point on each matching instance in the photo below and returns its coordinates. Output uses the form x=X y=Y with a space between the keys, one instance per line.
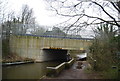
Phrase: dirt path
x=74 y=73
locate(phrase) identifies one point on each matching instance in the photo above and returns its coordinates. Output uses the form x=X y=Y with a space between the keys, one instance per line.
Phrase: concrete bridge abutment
x=45 y=48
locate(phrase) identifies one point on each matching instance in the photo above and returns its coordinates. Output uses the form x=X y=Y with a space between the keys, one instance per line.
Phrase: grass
x=88 y=70
x=110 y=74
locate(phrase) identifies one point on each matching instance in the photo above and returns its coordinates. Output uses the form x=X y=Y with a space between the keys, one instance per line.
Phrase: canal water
x=26 y=71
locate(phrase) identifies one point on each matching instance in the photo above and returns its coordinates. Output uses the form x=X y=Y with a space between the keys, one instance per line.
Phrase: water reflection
x=26 y=71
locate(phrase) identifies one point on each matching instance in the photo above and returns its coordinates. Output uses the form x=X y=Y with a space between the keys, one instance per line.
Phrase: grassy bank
x=111 y=73
x=15 y=58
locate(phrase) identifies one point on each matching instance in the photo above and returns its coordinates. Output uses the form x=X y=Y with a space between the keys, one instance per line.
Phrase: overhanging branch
x=106 y=13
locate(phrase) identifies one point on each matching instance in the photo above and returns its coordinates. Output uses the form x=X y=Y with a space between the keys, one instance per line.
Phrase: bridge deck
x=64 y=37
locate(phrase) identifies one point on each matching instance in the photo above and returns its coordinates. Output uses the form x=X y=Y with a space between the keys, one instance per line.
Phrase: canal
x=27 y=71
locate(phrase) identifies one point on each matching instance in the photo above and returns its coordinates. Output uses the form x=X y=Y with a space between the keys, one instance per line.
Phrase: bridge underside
x=55 y=54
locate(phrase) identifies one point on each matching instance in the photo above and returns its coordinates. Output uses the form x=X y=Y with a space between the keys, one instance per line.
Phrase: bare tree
x=18 y=24
x=25 y=20
x=3 y=5
x=27 y=15
x=83 y=14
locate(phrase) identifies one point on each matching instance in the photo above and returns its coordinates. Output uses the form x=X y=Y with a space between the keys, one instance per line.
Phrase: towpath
x=74 y=73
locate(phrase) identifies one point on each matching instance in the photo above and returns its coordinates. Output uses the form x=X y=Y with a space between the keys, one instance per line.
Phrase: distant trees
x=38 y=30
x=19 y=24
x=27 y=15
x=3 y=5
x=26 y=19
x=58 y=31
x=55 y=32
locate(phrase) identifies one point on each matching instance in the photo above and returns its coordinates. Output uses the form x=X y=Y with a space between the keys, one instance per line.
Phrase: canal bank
x=16 y=63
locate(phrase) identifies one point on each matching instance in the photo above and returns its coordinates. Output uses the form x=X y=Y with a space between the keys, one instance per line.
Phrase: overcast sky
x=42 y=14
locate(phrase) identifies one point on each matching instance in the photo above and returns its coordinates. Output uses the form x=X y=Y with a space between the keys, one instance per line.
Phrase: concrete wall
x=32 y=47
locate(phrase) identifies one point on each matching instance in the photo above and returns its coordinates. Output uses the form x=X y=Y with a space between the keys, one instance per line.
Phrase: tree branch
x=115 y=6
x=107 y=13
